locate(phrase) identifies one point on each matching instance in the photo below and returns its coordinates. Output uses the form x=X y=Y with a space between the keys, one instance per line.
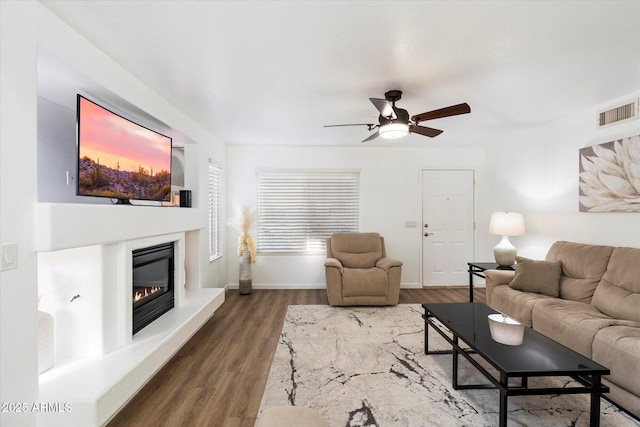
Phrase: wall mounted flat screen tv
x=120 y=159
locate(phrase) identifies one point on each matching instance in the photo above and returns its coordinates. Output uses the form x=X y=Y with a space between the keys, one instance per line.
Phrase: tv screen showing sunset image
x=120 y=159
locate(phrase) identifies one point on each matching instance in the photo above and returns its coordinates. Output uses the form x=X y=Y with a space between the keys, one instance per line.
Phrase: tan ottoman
x=290 y=416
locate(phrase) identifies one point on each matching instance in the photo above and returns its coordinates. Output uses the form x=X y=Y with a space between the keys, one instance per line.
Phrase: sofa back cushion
x=618 y=293
x=356 y=250
x=582 y=268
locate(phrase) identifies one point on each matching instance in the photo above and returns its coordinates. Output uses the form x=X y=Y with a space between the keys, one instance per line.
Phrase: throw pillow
x=541 y=277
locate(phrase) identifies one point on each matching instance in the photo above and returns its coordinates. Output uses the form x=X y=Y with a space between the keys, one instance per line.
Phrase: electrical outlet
x=9 y=257
x=70 y=178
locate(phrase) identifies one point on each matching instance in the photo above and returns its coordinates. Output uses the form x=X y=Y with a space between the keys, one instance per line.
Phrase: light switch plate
x=9 y=255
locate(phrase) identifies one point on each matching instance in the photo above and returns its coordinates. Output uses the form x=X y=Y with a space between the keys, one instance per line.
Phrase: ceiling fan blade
x=453 y=110
x=423 y=130
x=384 y=107
x=373 y=136
x=369 y=125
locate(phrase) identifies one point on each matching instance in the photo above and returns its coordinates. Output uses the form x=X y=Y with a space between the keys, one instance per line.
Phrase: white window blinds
x=215 y=182
x=299 y=210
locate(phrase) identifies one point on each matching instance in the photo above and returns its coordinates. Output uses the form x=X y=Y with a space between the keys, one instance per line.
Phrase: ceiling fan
x=394 y=122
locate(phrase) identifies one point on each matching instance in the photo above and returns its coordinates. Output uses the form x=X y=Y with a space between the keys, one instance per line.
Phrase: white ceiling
x=272 y=72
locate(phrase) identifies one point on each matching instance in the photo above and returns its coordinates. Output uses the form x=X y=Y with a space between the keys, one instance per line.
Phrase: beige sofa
x=358 y=271
x=592 y=307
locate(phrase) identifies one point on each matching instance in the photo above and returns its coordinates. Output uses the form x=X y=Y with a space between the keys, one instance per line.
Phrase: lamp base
x=505 y=252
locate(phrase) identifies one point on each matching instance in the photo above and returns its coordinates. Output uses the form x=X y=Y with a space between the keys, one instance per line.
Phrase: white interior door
x=447 y=226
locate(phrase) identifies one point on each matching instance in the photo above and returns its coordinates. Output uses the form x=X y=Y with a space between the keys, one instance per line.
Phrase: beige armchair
x=358 y=271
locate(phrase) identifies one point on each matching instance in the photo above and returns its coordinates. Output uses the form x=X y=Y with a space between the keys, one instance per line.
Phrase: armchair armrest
x=387 y=263
x=333 y=262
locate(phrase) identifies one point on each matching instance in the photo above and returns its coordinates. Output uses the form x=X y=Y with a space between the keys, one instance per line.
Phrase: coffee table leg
x=426 y=333
x=454 y=369
x=503 y=409
x=503 y=401
x=595 y=402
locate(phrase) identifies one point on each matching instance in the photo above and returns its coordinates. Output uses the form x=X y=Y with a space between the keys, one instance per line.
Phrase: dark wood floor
x=218 y=377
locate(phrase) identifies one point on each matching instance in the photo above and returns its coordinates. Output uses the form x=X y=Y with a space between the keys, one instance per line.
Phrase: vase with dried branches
x=246 y=249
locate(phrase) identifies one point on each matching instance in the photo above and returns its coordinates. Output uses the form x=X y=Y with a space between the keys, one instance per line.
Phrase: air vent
x=619 y=114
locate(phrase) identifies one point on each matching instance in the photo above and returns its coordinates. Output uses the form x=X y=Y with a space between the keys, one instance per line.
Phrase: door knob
x=427 y=234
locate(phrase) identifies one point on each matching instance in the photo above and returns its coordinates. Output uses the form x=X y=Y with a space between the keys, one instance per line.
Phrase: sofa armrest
x=333 y=262
x=387 y=263
x=497 y=278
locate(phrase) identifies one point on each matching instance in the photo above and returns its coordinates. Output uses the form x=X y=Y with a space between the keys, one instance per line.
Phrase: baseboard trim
x=273 y=286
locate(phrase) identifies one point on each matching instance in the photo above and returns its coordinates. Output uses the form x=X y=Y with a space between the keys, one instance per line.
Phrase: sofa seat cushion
x=516 y=304
x=582 y=268
x=364 y=281
x=571 y=323
x=618 y=293
x=618 y=348
x=542 y=277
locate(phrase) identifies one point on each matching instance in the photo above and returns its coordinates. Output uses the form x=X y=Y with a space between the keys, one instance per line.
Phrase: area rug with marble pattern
x=366 y=366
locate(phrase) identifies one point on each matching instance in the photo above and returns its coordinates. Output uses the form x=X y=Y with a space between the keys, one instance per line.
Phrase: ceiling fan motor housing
x=401 y=114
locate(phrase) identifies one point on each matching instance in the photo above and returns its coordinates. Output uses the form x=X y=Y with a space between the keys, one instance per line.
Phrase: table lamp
x=506 y=224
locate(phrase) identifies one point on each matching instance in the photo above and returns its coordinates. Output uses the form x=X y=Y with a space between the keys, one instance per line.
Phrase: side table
x=477 y=269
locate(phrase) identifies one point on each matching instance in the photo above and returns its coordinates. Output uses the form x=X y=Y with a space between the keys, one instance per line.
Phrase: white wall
x=29 y=33
x=535 y=171
x=390 y=189
x=18 y=192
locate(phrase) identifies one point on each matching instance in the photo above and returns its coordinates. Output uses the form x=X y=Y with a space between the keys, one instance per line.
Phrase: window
x=215 y=182
x=299 y=210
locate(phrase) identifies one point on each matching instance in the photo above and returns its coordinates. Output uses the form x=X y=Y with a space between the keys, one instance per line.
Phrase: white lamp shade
x=507 y=224
x=394 y=130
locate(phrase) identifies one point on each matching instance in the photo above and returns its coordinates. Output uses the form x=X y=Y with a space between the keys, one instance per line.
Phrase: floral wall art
x=610 y=176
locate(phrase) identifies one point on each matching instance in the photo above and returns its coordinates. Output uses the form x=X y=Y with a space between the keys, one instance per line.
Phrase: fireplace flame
x=139 y=295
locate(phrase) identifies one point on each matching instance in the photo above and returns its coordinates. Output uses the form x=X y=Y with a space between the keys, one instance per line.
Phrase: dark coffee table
x=537 y=356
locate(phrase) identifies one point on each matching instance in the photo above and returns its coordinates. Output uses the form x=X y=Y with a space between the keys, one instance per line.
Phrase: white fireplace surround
x=98 y=279
x=85 y=255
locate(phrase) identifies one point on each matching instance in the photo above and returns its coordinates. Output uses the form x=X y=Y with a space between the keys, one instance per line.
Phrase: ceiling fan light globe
x=394 y=130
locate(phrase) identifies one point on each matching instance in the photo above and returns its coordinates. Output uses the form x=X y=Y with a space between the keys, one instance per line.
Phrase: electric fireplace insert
x=152 y=296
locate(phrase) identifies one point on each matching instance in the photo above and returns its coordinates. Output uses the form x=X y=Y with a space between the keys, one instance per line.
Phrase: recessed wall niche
x=58 y=85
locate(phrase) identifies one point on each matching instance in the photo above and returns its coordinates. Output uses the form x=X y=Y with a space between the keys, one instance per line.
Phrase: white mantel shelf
x=97 y=388
x=71 y=225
